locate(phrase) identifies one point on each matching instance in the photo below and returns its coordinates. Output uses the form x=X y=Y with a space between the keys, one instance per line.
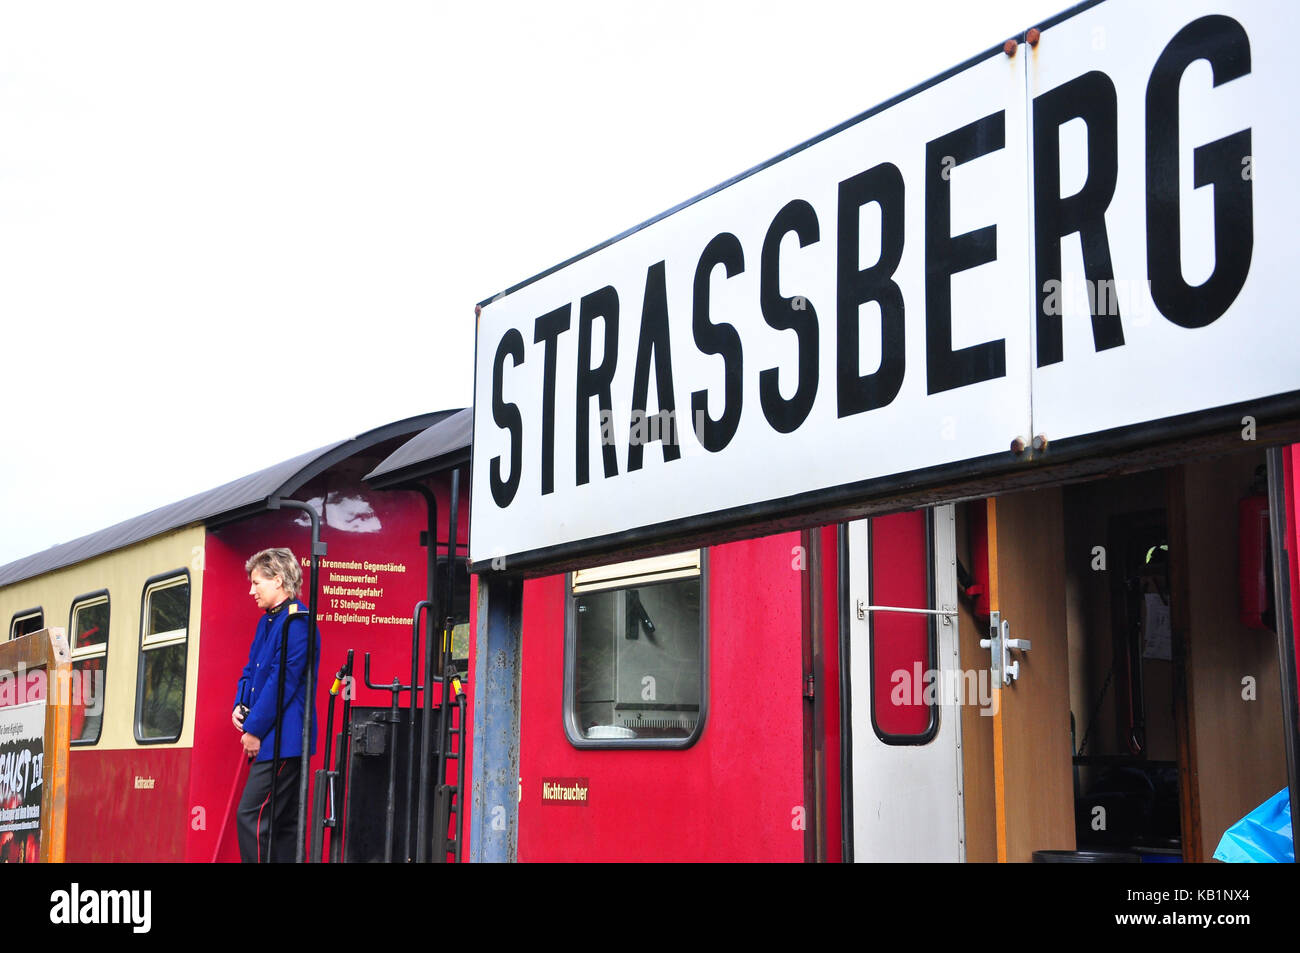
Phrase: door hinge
x=809 y=684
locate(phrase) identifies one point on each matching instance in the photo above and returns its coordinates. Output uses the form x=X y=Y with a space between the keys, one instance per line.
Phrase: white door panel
x=907 y=798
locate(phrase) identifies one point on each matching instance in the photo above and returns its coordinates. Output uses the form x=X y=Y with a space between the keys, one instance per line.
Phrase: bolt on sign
x=1079 y=238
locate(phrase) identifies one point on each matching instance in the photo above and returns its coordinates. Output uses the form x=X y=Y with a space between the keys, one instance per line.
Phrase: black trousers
x=254 y=816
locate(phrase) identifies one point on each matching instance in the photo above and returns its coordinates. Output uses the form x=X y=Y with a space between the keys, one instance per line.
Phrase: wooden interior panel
x=976 y=729
x=1238 y=746
x=977 y=750
x=1037 y=780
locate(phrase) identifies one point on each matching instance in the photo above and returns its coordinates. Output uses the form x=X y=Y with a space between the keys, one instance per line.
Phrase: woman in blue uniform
x=275 y=579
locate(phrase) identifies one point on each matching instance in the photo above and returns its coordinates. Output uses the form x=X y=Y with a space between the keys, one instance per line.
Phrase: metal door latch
x=1000 y=645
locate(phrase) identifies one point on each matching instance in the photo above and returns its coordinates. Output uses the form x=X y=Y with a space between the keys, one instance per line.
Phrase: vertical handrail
x=424 y=605
x=337 y=838
x=460 y=772
x=431 y=596
x=449 y=614
x=308 y=704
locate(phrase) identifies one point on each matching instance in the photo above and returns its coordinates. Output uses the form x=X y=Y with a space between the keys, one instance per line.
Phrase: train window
x=635 y=653
x=460 y=613
x=903 y=650
x=26 y=622
x=88 y=627
x=164 y=644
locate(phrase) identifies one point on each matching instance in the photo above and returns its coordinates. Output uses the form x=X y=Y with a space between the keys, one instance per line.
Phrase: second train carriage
x=159 y=622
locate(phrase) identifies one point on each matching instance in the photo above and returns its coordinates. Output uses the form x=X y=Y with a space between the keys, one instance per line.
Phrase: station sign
x=1063 y=240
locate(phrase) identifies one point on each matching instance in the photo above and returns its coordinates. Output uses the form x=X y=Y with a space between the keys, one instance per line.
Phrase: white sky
x=232 y=232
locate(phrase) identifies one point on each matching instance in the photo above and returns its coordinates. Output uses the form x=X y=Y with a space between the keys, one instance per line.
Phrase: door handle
x=1000 y=644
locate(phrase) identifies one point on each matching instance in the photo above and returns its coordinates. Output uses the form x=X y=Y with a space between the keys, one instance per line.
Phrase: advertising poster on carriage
x=22 y=756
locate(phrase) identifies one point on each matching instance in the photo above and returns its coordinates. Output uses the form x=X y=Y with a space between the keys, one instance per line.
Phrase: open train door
x=903 y=667
x=1028 y=769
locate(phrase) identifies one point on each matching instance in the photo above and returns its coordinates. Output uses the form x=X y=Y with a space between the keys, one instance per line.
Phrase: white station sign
x=1091 y=234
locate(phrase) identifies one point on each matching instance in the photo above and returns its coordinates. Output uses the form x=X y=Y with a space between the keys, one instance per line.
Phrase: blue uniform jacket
x=258 y=684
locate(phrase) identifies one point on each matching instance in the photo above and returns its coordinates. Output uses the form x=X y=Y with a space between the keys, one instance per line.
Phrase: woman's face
x=268 y=593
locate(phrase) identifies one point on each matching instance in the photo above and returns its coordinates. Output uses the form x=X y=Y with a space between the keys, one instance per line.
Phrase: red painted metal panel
x=128 y=804
x=900 y=642
x=829 y=689
x=735 y=794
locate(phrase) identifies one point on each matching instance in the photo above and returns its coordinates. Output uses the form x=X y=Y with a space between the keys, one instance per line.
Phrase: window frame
x=459 y=663
x=568 y=713
x=151 y=585
x=85 y=601
x=932 y=637
x=22 y=616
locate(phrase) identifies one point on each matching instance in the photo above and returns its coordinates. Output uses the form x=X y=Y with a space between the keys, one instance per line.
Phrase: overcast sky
x=232 y=232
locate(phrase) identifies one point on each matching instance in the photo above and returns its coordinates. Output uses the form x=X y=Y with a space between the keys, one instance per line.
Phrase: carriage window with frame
x=164 y=646
x=635 y=653
x=460 y=617
x=26 y=622
x=88 y=627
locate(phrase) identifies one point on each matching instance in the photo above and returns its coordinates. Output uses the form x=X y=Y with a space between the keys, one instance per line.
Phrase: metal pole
x=275 y=757
x=339 y=804
x=494 y=819
x=317 y=550
x=431 y=596
x=444 y=719
x=421 y=819
x=327 y=814
x=461 y=773
x=421 y=606
x=337 y=838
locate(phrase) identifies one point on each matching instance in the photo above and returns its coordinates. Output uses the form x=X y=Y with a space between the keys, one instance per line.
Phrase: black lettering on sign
x=721 y=339
x=596 y=381
x=858 y=392
x=1090 y=97
x=653 y=346
x=547 y=330
x=1222 y=42
x=795 y=313
x=946 y=255
x=507 y=417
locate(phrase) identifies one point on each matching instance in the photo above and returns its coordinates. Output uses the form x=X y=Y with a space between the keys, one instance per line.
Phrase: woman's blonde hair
x=277 y=562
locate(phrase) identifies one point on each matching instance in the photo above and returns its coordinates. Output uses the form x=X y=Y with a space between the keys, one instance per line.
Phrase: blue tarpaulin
x=1262 y=836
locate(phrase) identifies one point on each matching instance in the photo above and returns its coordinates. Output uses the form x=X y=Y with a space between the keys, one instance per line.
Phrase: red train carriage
x=159 y=621
x=824 y=695
x=905 y=497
